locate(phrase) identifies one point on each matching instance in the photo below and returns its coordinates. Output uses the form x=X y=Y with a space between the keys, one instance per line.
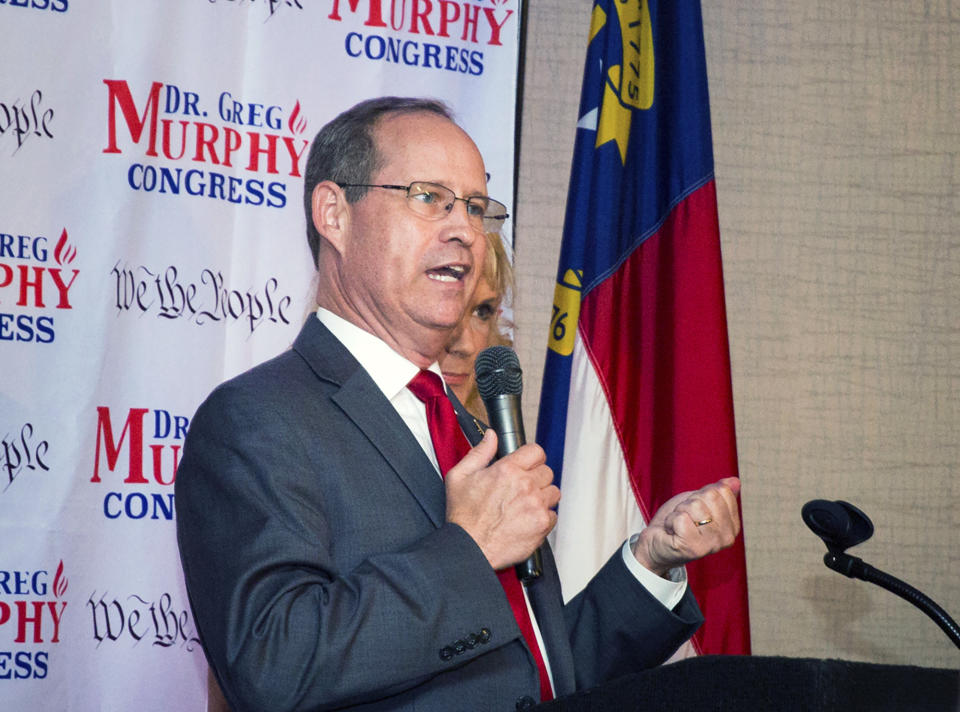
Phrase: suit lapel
x=546 y=600
x=544 y=593
x=470 y=426
x=365 y=405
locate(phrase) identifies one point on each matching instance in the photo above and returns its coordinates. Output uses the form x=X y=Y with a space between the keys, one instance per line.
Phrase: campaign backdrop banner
x=152 y=244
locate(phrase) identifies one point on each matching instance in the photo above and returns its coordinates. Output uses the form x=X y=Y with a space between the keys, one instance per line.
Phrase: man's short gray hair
x=344 y=150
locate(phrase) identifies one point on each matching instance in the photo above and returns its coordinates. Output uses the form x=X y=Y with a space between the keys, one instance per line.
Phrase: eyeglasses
x=434 y=201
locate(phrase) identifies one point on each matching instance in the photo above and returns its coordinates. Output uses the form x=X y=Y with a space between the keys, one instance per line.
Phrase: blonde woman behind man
x=480 y=327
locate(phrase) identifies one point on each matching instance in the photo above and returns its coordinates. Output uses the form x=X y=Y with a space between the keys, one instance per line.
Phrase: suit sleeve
x=283 y=627
x=617 y=627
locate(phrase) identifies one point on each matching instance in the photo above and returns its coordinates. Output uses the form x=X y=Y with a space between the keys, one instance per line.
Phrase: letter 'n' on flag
x=637 y=402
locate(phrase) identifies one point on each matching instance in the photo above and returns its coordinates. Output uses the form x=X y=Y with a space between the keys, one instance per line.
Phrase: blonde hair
x=498 y=273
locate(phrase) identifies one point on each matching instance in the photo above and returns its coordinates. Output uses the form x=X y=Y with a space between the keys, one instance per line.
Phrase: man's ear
x=331 y=213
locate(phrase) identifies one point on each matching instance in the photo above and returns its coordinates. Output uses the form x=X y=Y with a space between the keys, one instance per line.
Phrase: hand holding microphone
x=500 y=383
x=507 y=507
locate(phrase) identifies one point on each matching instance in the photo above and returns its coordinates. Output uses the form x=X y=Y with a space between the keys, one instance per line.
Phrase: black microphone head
x=498 y=372
x=839 y=523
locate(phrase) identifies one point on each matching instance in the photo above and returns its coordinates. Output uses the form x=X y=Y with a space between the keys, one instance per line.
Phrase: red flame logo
x=59 y=581
x=64 y=253
x=297 y=123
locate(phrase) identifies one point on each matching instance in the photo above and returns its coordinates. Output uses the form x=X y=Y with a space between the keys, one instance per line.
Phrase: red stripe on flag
x=656 y=334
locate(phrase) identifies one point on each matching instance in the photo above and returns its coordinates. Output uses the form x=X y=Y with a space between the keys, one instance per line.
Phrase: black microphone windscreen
x=498 y=372
x=838 y=523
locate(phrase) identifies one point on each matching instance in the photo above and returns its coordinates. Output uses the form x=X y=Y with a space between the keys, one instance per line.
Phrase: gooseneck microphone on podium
x=841 y=525
x=500 y=383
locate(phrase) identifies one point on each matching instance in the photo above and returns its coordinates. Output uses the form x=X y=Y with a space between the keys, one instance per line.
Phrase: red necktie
x=451 y=445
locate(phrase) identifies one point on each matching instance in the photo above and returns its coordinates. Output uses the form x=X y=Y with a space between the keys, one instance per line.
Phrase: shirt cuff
x=668 y=592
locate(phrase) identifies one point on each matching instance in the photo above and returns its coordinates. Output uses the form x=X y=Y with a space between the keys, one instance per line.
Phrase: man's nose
x=459 y=224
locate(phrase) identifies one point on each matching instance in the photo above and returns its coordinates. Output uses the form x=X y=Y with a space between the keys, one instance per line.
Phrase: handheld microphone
x=500 y=382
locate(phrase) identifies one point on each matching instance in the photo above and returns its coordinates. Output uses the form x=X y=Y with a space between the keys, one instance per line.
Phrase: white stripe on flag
x=598 y=510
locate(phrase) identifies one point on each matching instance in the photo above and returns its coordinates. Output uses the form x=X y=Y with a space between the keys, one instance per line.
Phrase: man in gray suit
x=328 y=563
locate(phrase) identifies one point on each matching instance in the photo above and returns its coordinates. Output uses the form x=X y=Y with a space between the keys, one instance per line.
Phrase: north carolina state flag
x=637 y=403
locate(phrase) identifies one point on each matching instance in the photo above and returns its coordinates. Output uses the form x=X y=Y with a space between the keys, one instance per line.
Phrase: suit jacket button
x=446 y=652
x=459 y=647
x=472 y=640
x=484 y=635
x=525 y=703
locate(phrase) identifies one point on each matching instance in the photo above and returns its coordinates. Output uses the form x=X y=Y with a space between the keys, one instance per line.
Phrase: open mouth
x=448 y=273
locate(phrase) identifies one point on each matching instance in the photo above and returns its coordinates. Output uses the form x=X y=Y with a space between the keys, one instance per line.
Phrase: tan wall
x=837 y=143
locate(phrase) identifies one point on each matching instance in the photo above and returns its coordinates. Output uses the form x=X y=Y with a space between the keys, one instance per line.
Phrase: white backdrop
x=151 y=245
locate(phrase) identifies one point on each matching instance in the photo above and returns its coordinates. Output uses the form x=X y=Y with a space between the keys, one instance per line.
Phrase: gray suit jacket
x=322 y=574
